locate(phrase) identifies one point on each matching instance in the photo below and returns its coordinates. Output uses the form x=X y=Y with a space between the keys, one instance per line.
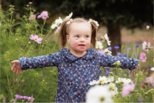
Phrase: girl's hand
x=134 y=69
x=16 y=67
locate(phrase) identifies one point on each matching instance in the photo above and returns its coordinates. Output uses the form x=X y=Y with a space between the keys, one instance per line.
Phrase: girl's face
x=79 y=38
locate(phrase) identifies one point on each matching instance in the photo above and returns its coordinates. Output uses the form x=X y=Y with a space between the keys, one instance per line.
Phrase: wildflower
x=29 y=42
x=36 y=38
x=102 y=39
x=53 y=26
x=152 y=68
x=148 y=66
x=58 y=21
x=146 y=47
x=147 y=27
x=124 y=55
x=137 y=45
x=57 y=30
x=16 y=38
x=32 y=17
x=103 y=80
x=107 y=68
x=143 y=57
x=43 y=15
x=118 y=53
x=94 y=82
x=107 y=73
x=18 y=96
x=99 y=94
x=110 y=48
x=128 y=48
x=93 y=21
x=99 y=45
x=69 y=16
x=117 y=63
x=116 y=47
x=107 y=39
x=127 y=88
x=140 y=100
x=113 y=89
x=107 y=51
x=101 y=51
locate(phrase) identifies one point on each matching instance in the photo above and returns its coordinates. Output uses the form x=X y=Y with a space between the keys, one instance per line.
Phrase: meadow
x=41 y=83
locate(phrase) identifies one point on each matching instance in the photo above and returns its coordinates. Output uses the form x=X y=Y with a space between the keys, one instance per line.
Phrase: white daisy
x=107 y=39
x=152 y=68
x=107 y=51
x=69 y=16
x=94 y=82
x=99 y=94
x=53 y=26
x=103 y=80
x=58 y=21
x=99 y=45
x=113 y=89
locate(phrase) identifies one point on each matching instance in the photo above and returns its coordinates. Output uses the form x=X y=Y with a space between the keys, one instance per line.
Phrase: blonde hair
x=64 y=31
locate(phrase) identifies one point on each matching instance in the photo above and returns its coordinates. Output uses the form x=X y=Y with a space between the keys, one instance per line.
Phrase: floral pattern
x=74 y=73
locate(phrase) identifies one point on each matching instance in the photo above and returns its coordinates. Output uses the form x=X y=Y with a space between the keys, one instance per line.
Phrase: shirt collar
x=89 y=55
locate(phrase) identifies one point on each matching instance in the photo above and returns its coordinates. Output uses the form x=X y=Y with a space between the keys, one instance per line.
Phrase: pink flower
x=32 y=17
x=153 y=84
x=143 y=57
x=36 y=38
x=146 y=47
x=43 y=15
x=127 y=88
x=101 y=51
x=57 y=30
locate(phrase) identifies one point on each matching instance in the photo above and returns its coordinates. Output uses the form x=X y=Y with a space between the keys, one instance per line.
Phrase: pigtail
x=62 y=33
x=94 y=33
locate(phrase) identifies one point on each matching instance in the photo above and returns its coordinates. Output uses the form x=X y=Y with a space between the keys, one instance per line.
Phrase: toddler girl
x=77 y=66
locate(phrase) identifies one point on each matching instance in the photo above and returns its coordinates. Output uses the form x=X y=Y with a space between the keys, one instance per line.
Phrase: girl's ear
x=67 y=38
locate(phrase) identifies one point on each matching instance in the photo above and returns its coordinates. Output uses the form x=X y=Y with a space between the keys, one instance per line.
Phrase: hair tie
x=71 y=20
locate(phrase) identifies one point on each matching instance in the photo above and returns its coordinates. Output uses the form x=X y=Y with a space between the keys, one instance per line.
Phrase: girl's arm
x=40 y=61
x=108 y=61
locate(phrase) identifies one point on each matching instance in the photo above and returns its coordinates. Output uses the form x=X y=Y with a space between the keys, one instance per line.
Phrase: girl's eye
x=87 y=36
x=77 y=36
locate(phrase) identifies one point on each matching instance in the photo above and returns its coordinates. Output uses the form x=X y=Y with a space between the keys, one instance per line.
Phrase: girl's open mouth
x=81 y=45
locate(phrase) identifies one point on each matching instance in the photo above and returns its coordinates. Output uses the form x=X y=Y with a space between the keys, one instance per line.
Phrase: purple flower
x=43 y=15
x=148 y=66
x=124 y=55
x=32 y=17
x=128 y=48
x=118 y=53
x=137 y=45
x=116 y=47
x=18 y=96
x=110 y=48
x=140 y=100
x=107 y=68
x=107 y=73
x=25 y=97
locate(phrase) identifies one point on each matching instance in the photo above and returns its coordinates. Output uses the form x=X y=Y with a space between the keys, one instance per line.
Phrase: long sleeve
x=40 y=61
x=108 y=60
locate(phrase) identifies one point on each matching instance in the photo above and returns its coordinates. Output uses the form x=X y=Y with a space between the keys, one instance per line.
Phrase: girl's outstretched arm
x=40 y=61
x=108 y=61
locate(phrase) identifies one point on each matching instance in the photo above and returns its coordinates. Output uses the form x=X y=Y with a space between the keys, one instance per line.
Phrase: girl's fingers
x=13 y=67
x=138 y=65
x=17 y=71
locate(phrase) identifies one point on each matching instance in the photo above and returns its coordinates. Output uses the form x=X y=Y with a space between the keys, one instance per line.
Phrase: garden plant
x=30 y=36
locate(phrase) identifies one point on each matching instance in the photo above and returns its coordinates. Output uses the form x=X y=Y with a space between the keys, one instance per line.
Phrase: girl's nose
x=81 y=39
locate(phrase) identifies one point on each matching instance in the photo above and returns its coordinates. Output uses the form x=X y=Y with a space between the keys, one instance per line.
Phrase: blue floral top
x=74 y=73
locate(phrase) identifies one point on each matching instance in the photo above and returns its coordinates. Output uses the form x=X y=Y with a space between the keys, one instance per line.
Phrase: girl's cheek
x=74 y=44
x=88 y=45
